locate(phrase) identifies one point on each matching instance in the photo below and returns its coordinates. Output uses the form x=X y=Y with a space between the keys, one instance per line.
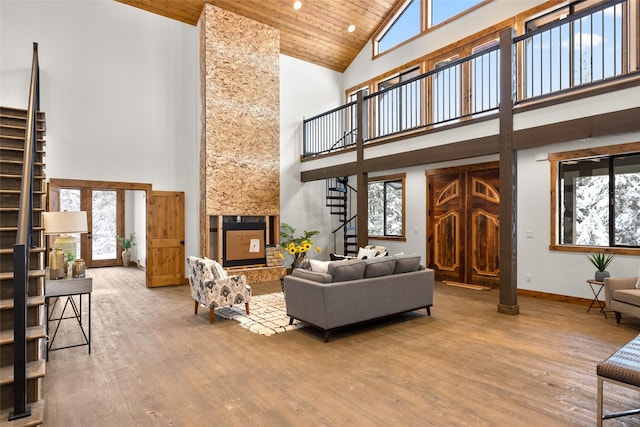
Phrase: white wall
x=120 y=87
x=305 y=90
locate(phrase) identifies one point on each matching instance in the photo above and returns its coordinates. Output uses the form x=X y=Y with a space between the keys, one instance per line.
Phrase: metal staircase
x=339 y=195
x=22 y=313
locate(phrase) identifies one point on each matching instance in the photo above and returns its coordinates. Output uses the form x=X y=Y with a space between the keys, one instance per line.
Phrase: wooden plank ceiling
x=315 y=33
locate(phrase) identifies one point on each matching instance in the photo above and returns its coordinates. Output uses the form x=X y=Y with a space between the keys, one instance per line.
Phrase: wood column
x=508 y=303
x=362 y=177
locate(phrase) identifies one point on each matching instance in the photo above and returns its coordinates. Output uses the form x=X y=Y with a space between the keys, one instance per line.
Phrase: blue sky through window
x=407 y=24
x=441 y=10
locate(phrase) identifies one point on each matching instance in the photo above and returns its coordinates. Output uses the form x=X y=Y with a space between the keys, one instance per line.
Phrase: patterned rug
x=268 y=315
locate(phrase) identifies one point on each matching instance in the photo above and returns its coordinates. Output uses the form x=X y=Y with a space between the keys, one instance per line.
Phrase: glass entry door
x=105 y=213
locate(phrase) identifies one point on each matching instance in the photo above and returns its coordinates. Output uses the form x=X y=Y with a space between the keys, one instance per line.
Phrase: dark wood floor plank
x=155 y=363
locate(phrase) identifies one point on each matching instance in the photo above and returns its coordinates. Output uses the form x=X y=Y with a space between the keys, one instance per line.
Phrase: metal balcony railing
x=585 y=48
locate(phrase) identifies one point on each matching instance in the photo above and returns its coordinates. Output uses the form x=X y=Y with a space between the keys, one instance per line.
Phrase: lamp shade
x=65 y=222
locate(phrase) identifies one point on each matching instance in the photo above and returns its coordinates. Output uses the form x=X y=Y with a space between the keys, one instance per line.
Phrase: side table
x=596 y=287
x=68 y=288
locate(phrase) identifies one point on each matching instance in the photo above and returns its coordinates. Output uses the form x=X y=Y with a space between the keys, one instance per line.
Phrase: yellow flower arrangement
x=297 y=247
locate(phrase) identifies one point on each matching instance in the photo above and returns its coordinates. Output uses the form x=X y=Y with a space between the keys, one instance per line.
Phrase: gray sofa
x=356 y=291
x=621 y=296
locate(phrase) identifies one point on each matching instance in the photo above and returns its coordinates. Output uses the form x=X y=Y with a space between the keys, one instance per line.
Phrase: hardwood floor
x=154 y=363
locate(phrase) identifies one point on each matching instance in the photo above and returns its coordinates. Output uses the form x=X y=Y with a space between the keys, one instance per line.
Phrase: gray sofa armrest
x=612 y=284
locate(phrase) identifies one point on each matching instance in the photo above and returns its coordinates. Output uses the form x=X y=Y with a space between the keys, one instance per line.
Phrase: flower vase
x=126 y=257
x=301 y=262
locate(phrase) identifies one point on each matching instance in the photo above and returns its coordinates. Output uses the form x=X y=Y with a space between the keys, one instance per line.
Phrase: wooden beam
x=508 y=303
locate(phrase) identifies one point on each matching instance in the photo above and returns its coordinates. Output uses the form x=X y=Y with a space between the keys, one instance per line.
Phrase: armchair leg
x=246 y=307
x=212 y=314
x=196 y=309
x=618 y=316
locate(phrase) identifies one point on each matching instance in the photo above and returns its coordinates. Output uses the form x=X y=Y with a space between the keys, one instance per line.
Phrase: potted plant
x=600 y=261
x=125 y=244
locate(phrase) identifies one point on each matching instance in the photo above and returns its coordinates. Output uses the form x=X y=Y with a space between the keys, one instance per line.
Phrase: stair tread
x=7 y=304
x=36 y=418
x=32 y=273
x=32 y=250
x=33 y=333
x=35 y=369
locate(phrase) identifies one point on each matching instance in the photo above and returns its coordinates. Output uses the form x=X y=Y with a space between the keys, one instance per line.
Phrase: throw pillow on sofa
x=406 y=263
x=364 y=253
x=342 y=271
x=319 y=266
x=379 y=266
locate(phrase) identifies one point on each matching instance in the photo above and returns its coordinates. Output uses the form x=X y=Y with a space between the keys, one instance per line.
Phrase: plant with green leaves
x=127 y=242
x=600 y=260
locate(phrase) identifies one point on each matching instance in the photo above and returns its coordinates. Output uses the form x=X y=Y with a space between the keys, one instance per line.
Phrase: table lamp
x=63 y=224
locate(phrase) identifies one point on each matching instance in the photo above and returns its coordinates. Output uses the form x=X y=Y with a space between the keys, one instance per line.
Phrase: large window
x=398 y=107
x=386 y=207
x=405 y=25
x=599 y=201
x=407 y=22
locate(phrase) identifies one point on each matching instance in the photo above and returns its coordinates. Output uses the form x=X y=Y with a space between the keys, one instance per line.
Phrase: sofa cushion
x=630 y=296
x=379 y=266
x=406 y=263
x=342 y=271
x=319 y=266
x=312 y=275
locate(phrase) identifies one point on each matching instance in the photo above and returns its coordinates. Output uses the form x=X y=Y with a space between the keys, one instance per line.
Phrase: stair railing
x=21 y=251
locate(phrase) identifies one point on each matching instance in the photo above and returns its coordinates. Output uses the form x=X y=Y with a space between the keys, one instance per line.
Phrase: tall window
x=599 y=201
x=399 y=107
x=564 y=52
x=405 y=25
x=386 y=206
x=441 y=10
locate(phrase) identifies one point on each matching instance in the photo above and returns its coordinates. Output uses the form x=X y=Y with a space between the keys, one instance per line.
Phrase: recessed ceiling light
x=297 y=4
x=351 y=28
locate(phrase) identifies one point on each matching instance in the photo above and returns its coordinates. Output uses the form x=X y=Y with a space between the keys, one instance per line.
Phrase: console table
x=68 y=288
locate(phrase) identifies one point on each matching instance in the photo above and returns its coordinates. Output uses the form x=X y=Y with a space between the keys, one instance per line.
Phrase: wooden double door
x=464 y=224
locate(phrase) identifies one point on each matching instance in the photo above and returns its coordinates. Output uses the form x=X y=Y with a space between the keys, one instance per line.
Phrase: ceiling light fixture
x=297 y=4
x=351 y=28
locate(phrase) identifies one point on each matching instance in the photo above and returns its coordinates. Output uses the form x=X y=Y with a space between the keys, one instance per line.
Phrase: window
x=399 y=107
x=441 y=10
x=564 y=52
x=405 y=25
x=386 y=206
x=599 y=201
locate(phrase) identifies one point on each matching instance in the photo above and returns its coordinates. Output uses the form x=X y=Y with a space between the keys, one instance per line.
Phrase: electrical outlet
x=529 y=279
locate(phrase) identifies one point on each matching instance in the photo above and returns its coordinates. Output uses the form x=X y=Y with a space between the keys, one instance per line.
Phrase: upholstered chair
x=211 y=287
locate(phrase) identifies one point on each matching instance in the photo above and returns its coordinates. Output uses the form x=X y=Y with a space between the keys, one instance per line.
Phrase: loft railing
x=21 y=251
x=590 y=47
x=586 y=48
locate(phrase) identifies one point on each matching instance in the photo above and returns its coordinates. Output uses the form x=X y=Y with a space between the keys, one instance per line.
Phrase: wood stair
x=13 y=123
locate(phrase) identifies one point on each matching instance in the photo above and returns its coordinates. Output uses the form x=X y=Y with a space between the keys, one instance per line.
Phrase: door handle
x=182 y=242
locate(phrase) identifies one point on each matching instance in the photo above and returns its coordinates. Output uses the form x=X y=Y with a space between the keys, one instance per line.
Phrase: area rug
x=268 y=315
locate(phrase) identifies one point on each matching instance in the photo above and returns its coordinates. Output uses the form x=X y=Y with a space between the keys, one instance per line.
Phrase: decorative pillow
x=380 y=250
x=319 y=266
x=379 y=266
x=210 y=264
x=312 y=275
x=218 y=271
x=406 y=263
x=343 y=271
x=364 y=253
x=638 y=281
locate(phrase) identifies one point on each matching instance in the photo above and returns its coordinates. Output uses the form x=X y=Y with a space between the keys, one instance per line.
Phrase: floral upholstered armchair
x=211 y=287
